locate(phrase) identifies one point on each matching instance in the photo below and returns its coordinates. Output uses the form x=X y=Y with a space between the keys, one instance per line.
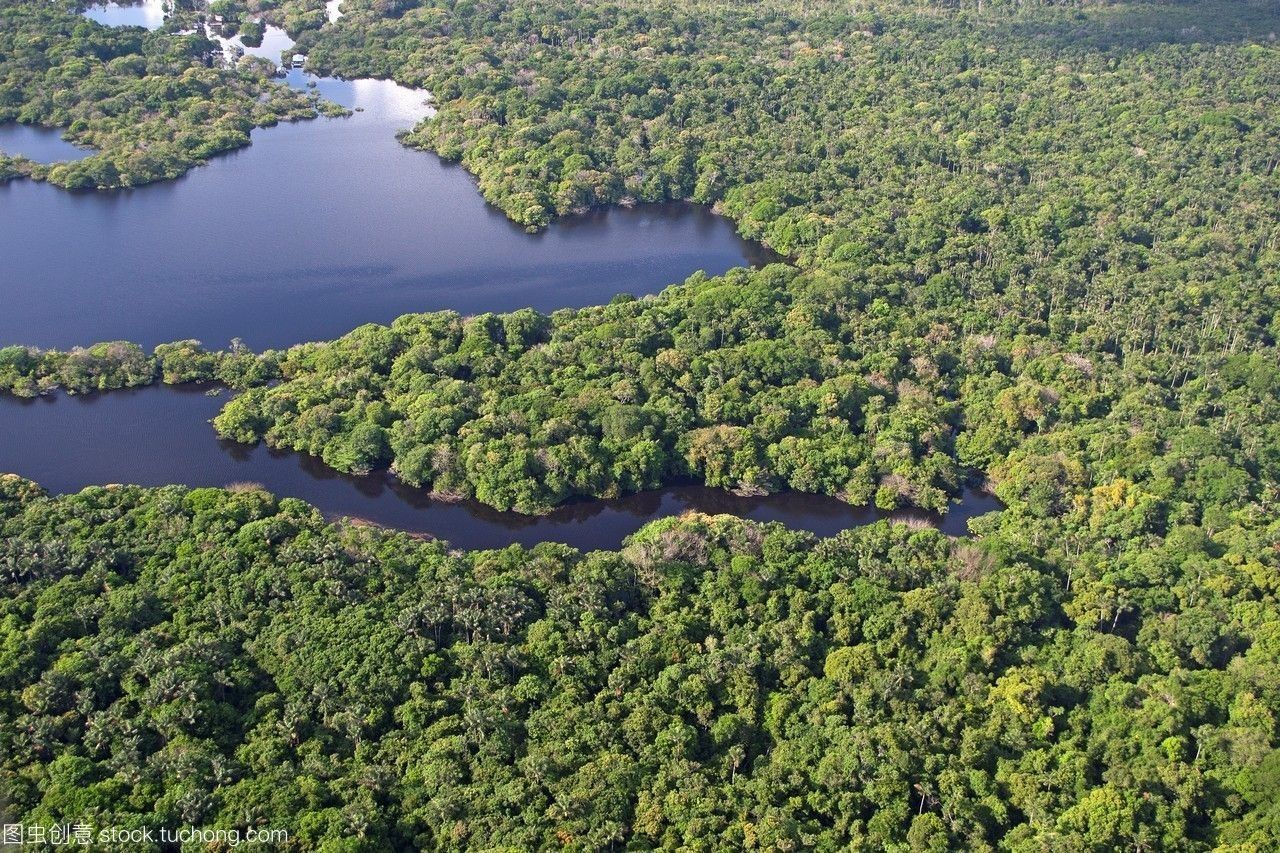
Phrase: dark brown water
x=159 y=435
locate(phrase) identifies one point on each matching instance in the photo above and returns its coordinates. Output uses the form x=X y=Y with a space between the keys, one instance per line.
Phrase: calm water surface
x=275 y=42
x=41 y=144
x=148 y=14
x=315 y=228
x=158 y=435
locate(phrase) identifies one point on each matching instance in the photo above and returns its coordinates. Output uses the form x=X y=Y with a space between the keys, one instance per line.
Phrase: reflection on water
x=41 y=144
x=315 y=228
x=275 y=42
x=158 y=435
x=151 y=14
x=386 y=103
x=148 y=14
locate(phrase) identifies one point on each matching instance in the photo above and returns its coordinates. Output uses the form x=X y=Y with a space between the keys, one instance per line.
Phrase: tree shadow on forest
x=1143 y=25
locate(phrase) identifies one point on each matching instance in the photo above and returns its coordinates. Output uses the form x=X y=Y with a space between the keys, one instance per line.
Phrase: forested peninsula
x=756 y=381
x=1032 y=245
x=148 y=102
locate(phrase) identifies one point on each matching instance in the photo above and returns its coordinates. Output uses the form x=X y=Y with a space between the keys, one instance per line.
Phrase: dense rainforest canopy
x=209 y=657
x=1031 y=244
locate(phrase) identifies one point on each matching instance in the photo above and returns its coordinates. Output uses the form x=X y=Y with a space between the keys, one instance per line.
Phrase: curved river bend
x=157 y=435
x=315 y=228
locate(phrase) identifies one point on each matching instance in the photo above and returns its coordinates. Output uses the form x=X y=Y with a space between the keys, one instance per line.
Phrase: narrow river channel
x=158 y=435
x=315 y=228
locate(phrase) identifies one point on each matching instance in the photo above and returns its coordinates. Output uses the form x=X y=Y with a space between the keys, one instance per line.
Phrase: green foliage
x=251 y=33
x=1028 y=243
x=709 y=380
x=29 y=372
x=1004 y=242
x=146 y=101
x=226 y=659
x=26 y=372
x=999 y=141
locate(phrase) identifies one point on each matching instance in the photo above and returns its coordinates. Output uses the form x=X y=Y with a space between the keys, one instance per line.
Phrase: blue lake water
x=316 y=227
x=41 y=144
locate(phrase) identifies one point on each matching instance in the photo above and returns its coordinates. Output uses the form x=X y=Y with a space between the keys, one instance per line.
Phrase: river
x=158 y=435
x=316 y=227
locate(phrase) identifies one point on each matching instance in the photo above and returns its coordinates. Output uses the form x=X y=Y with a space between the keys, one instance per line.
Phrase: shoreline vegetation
x=618 y=426
x=147 y=102
x=957 y=313
x=178 y=655
x=751 y=381
x=1039 y=242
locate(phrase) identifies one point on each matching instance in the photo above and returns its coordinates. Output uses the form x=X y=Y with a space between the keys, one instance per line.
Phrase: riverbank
x=159 y=435
x=147 y=100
